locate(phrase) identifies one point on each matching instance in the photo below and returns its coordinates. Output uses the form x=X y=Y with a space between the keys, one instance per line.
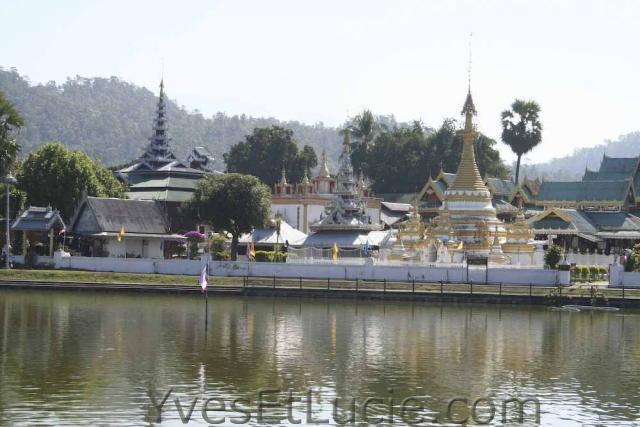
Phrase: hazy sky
x=322 y=61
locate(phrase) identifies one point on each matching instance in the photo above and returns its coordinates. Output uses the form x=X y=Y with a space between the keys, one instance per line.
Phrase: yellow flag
x=460 y=245
x=335 y=251
x=120 y=234
x=252 y=250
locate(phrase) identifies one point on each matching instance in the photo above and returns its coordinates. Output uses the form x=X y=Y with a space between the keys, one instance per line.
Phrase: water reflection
x=86 y=358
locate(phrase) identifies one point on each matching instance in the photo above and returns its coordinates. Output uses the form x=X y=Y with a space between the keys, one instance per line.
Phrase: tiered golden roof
x=519 y=235
x=468 y=177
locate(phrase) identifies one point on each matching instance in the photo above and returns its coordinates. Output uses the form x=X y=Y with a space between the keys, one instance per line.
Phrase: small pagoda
x=410 y=244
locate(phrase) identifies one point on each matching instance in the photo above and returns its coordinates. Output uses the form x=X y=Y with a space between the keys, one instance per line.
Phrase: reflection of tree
x=100 y=352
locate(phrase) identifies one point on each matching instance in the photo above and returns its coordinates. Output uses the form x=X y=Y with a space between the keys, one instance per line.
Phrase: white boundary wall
x=590 y=259
x=368 y=271
x=130 y=265
x=618 y=277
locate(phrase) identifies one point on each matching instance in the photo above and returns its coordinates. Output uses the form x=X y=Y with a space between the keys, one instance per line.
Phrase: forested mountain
x=111 y=120
x=572 y=167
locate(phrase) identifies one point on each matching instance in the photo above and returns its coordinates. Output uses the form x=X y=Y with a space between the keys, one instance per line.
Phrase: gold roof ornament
x=324 y=167
x=519 y=235
x=468 y=177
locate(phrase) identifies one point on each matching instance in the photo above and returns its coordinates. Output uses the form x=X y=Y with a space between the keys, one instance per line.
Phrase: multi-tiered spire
x=347 y=210
x=468 y=177
x=324 y=167
x=158 y=150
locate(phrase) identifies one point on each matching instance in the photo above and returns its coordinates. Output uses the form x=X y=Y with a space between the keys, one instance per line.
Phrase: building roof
x=391 y=213
x=588 y=224
x=37 y=218
x=177 y=196
x=581 y=191
x=108 y=215
x=326 y=239
x=501 y=187
x=269 y=236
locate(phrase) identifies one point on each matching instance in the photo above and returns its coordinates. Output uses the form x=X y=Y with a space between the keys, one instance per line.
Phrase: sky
x=324 y=61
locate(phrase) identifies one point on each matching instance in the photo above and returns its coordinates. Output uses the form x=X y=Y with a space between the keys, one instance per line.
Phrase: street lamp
x=8 y=180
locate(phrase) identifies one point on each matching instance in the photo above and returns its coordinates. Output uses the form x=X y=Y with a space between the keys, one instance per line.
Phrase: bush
x=270 y=256
x=552 y=256
x=594 y=271
x=603 y=270
x=218 y=248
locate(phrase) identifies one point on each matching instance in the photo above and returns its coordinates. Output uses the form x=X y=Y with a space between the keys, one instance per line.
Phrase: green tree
x=265 y=151
x=54 y=175
x=521 y=129
x=363 y=129
x=233 y=203
x=396 y=161
x=10 y=124
x=400 y=160
x=552 y=256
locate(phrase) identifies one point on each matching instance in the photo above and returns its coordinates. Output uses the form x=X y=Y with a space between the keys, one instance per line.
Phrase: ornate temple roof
x=584 y=191
x=593 y=226
x=324 y=167
x=468 y=176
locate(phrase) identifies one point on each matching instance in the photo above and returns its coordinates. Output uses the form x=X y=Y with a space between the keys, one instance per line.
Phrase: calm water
x=94 y=359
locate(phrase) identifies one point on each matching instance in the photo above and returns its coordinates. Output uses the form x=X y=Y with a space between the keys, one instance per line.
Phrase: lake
x=84 y=358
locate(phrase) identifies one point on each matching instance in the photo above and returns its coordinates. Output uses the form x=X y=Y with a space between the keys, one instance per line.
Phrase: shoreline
x=436 y=293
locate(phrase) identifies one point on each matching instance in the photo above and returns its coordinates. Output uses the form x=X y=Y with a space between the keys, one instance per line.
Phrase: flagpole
x=206 y=312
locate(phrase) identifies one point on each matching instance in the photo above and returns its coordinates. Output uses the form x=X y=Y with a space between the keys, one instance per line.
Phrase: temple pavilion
x=160 y=176
x=597 y=213
x=346 y=221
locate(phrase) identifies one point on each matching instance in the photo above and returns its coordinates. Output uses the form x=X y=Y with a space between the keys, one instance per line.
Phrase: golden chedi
x=410 y=244
x=467 y=220
x=518 y=240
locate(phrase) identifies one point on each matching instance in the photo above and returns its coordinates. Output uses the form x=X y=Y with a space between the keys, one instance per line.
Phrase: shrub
x=218 y=248
x=603 y=270
x=552 y=256
x=594 y=271
x=270 y=256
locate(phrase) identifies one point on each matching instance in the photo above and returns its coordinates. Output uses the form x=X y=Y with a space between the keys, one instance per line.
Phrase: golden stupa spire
x=468 y=177
x=324 y=168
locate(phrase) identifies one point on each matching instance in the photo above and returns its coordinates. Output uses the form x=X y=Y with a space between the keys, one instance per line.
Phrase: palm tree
x=10 y=123
x=363 y=128
x=521 y=128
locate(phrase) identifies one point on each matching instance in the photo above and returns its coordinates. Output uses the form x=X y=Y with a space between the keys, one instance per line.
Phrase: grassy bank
x=107 y=277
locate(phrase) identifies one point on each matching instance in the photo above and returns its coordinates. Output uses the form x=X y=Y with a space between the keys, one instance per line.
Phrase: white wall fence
x=590 y=259
x=370 y=271
x=619 y=278
x=339 y=271
x=129 y=265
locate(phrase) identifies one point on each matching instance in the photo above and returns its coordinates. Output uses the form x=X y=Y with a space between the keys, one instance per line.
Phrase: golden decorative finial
x=469 y=70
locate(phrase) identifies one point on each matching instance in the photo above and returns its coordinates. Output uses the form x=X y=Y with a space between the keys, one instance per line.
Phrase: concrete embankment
x=425 y=292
